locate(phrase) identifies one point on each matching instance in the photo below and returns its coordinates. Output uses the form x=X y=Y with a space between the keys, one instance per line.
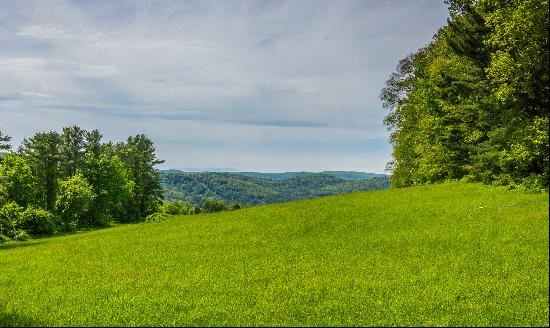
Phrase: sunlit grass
x=451 y=254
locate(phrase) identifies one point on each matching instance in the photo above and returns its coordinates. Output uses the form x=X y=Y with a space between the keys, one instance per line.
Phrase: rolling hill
x=253 y=188
x=439 y=255
x=346 y=175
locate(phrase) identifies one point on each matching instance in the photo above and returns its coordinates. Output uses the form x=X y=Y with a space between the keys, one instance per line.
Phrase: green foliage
x=474 y=102
x=37 y=221
x=519 y=52
x=16 y=180
x=41 y=152
x=72 y=150
x=177 y=207
x=85 y=182
x=155 y=217
x=4 y=139
x=82 y=179
x=10 y=216
x=21 y=235
x=138 y=156
x=3 y=194
x=110 y=182
x=401 y=257
x=214 y=205
x=74 y=198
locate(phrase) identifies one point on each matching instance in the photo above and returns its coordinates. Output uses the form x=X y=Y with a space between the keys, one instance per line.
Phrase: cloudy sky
x=219 y=85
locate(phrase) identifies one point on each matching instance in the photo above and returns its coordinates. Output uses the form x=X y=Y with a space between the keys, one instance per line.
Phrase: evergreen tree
x=138 y=156
x=41 y=152
x=71 y=150
x=4 y=139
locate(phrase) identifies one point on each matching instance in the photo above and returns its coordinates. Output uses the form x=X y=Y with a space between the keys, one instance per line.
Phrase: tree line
x=60 y=182
x=64 y=181
x=473 y=103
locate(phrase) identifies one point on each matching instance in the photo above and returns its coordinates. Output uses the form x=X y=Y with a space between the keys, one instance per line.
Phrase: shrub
x=37 y=221
x=4 y=239
x=158 y=216
x=214 y=205
x=177 y=207
x=21 y=235
x=10 y=215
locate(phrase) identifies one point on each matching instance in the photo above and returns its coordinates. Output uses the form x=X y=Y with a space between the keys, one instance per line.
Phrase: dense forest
x=473 y=103
x=250 y=188
x=58 y=182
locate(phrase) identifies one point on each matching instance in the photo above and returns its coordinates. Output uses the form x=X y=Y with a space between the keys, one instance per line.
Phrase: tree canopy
x=4 y=145
x=473 y=103
x=71 y=179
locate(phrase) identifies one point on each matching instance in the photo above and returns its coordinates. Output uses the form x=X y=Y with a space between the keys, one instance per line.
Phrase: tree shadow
x=11 y=319
x=38 y=239
x=17 y=244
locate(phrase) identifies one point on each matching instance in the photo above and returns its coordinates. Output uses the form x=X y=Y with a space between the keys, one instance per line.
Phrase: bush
x=21 y=235
x=214 y=205
x=10 y=215
x=158 y=216
x=177 y=207
x=37 y=221
x=4 y=239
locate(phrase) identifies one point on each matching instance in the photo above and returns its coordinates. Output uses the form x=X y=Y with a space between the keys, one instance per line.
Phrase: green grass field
x=450 y=254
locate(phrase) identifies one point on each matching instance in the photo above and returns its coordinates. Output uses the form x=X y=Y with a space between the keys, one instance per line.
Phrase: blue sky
x=240 y=85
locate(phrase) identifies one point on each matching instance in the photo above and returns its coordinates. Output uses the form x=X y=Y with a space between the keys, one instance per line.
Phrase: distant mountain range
x=346 y=175
x=255 y=188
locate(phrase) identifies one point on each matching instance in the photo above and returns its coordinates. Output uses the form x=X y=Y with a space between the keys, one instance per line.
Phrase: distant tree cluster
x=211 y=205
x=473 y=103
x=57 y=182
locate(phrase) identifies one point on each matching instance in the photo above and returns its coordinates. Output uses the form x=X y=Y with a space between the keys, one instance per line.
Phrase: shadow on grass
x=17 y=244
x=10 y=319
x=41 y=238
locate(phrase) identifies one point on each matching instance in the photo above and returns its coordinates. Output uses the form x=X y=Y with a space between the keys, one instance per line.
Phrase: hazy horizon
x=233 y=170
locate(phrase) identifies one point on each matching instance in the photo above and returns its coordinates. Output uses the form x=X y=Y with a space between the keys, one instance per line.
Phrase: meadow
x=451 y=254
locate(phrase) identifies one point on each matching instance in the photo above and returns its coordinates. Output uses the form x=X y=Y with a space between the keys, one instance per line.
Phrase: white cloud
x=256 y=76
x=56 y=33
x=35 y=94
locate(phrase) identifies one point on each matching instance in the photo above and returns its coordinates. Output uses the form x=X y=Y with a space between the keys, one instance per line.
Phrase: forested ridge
x=346 y=175
x=473 y=103
x=249 y=188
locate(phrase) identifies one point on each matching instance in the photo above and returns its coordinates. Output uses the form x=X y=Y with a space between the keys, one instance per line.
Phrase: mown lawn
x=451 y=254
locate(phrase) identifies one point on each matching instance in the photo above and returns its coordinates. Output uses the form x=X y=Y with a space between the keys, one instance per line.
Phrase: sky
x=269 y=86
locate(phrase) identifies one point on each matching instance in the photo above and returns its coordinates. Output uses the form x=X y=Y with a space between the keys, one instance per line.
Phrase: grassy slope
x=450 y=254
